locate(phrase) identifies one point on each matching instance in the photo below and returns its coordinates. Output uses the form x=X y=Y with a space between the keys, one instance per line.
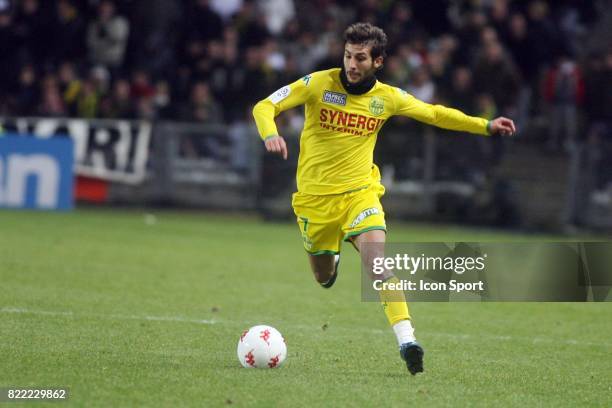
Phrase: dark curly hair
x=366 y=33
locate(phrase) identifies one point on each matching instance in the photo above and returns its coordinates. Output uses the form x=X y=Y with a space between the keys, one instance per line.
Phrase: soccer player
x=338 y=184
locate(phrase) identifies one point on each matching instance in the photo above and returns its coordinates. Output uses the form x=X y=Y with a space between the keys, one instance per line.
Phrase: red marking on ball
x=274 y=361
x=265 y=335
x=250 y=358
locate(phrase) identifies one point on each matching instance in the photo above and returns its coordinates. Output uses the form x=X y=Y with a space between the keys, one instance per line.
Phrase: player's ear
x=378 y=62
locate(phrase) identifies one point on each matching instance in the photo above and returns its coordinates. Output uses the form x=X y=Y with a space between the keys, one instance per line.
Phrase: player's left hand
x=502 y=126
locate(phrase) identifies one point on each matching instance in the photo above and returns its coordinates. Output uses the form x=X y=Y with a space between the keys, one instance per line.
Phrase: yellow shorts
x=326 y=220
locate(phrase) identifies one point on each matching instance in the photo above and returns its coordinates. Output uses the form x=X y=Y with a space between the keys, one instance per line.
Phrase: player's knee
x=372 y=265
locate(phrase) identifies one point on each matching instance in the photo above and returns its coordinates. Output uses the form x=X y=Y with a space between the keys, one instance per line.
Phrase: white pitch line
x=179 y=319
x=107 y=316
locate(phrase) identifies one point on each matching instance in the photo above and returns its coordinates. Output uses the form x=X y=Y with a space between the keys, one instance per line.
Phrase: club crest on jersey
x=377 y=105
x=334 y=98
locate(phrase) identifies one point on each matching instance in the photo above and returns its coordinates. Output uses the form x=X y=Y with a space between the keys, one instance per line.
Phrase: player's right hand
x=276 y=144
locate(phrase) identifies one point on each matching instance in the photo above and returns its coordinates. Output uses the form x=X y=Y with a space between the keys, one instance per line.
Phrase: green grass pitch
x=128 y=310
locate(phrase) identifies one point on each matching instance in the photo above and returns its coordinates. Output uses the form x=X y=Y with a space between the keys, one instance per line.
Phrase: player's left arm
x=449 y=118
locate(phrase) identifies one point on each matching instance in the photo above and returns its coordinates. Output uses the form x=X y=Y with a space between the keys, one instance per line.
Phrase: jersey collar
x=359 y=88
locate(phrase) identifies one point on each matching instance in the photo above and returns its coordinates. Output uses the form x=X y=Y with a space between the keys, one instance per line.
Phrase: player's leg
x=325 y=268
x=321 y=234
x=371 y=245
x=365 y=228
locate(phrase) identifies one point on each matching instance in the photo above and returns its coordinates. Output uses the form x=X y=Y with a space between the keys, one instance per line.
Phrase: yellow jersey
x=340 y=129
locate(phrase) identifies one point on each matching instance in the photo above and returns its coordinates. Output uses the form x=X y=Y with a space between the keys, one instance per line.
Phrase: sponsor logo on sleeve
x=334 y=98
x=306 y=79
x=281 y=94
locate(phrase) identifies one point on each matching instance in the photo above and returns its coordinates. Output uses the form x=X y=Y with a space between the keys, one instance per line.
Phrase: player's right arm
x=264 y=112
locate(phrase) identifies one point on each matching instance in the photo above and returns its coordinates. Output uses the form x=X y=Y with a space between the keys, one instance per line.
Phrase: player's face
x=358 y=62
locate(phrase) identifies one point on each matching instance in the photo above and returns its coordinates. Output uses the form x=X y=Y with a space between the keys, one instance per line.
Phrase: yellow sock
x=394 y=304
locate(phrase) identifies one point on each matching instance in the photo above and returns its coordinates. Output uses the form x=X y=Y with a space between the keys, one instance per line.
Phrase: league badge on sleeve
x=281 y=94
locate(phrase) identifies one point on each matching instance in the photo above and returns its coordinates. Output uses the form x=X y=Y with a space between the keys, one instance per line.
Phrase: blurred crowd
x=210 y=60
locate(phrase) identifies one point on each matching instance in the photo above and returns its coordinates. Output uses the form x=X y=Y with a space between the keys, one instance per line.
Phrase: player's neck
x=360 y=87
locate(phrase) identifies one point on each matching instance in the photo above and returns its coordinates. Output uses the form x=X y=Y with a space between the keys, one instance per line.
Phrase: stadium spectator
x=9 y=49
x=88 y=100
x=330 y=59
x=498 y=16
x=32 y=27
x=396 y=73
x=107 y=37
x=563 y=92
x=145 y=109
x=277 y=13
x=485 y=106
x=468 y=35
x=119 y=104
x=68 y=32
x=542 y=33
x=461 y=91
x=523 y=53
x=236 y=45
x=52 y=103
x=308 y=50
x=203 y=26
x=251 y=26
x=162 y=101
x=402 y=25
x=521 y=48
x=255 y=77
x=70 y=86
x=201 y=107
x=141 y=85
x=440 y=60
x=274 y=58
x=27 y=93
x=224 y=79
x=226 y=8
x=101 y=78
x=421 y=86
x=598 y=102
x=154 y=42
x=498 y=76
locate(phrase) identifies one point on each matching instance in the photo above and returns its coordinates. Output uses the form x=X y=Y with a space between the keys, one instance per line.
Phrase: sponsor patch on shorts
x=363 y=215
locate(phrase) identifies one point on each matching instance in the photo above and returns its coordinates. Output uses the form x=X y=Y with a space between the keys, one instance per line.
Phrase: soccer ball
x=261 y=347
